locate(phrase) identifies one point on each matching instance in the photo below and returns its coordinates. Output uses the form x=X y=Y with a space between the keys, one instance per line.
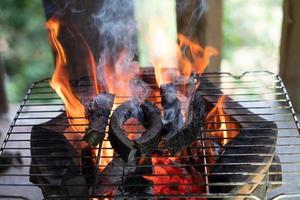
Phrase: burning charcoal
x=53 y=154
x=185 y=136
x=128 y=149
x=97 y=112
x=172 y=119
x=8 y=158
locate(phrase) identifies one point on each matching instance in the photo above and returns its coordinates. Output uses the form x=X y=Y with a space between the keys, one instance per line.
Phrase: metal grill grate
x=261 y=93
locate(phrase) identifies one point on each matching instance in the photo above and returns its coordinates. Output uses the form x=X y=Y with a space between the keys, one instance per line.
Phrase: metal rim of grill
x=259 y=91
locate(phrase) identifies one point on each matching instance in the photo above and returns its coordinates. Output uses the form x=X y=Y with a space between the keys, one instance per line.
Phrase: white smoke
x=195 y=10
x=117 y=27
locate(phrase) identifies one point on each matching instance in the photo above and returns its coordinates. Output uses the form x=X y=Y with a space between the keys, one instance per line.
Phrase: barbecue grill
x=262 y=93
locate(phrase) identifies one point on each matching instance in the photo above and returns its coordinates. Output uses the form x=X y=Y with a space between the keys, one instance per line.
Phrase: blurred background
x=247 y=33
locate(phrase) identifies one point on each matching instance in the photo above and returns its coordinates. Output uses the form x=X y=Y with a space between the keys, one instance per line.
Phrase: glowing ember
x=169 y=179
x=60 y=81
x=224 y=126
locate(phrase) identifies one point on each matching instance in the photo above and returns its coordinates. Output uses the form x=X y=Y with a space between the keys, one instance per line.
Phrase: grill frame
x=219 y=75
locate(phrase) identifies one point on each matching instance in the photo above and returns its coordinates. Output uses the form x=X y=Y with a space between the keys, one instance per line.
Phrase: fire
x=92 y=69
x=223 y=126
x=60 y=81
x=107 y=152
x=118 y=74
x=199 y=56
x=189 y=58
x=173 y=180
x=162 y=53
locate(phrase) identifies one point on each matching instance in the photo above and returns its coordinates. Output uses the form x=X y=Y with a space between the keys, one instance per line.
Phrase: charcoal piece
x=136 y=188
x=149 y=140
x=126 y=179
x=147 y=143
x=53 y=155
x=275 y=169
x=237 y=152
x=172 y=117
x=9 y=158
x=97 y=112
x=188 y=134
x=88 y=165
x=135 y=184
x=109 y=180
x=119 y=177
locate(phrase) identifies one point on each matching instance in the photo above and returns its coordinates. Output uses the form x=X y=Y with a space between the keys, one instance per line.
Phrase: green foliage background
x=251 y=35
x=24 y=45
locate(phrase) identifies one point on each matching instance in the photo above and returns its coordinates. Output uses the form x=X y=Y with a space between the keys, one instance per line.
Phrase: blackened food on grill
x=97 y=112
x=53 y=154
x=172 y=117
x=147 y=143
x=185 y=136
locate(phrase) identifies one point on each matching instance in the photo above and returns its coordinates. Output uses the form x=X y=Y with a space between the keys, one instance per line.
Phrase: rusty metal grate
x=261 y=93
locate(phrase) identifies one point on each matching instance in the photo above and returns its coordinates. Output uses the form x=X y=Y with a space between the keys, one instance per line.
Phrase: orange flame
x=60 y=83
x=60 y=80
x=118 y=75
x=162 y=50
x=92 y=69
x=200 y=56
x=222 y=125
x=190 y=58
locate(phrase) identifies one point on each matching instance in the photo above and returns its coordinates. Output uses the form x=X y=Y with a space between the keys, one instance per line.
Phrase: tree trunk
x=289 y=50
x=3 y=101
x=76 y=23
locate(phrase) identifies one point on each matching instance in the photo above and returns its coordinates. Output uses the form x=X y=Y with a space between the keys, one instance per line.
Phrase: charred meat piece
x=172 y=117
x=147 y=143
x=185 y=136
x=97 y=112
